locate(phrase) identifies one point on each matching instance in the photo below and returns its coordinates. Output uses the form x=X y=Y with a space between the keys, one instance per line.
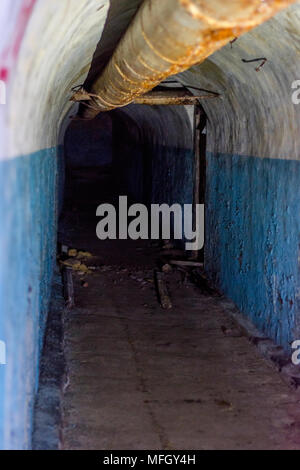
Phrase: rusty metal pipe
x=169 y=36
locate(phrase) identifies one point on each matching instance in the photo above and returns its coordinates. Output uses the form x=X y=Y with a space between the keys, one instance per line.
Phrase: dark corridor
x=139 y=376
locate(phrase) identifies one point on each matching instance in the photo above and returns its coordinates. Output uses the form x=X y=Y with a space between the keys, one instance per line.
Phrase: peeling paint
x=253 y=238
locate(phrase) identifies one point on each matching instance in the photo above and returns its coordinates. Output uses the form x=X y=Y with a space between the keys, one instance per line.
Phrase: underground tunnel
x=142 y=342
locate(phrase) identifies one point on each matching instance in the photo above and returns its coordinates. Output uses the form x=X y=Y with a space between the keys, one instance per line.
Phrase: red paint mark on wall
x=22 y=22
x=11 y=51
x=4 y=74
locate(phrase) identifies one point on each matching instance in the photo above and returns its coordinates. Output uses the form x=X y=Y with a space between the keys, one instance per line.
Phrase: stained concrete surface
x=139 y=377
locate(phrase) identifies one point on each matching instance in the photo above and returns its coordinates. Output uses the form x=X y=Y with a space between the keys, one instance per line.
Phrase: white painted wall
x=55 y=55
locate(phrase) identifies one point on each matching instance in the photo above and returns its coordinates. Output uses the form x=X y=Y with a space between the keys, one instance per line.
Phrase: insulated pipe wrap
x=167 y=37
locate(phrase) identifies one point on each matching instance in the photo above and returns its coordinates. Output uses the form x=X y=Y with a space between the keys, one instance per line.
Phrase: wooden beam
x=172 y=96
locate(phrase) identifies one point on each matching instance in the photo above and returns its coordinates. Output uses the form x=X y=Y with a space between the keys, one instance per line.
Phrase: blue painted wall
x=28 y=215
x=253 y=239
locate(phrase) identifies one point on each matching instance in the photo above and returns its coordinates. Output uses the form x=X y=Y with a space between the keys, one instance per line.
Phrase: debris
x=76 y=265
x=72 y=253
x=84 y=284
x=167 y=268
x=84 y=254
x=83 y=269
x=191 y=264
x=71 y=263
x=94 y=268
x=162 y=290
x=75 y=261
x=226 y=405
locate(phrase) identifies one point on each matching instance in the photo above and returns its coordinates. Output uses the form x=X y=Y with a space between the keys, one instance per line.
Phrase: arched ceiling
x=67 y=42
x=255 y=114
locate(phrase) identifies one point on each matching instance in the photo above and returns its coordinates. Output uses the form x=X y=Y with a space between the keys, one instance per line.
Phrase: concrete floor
x=140 y=377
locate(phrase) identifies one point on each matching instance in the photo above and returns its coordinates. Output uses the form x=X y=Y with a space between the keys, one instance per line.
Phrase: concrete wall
x=46 y=48
x=253 y=238
x=28 y=213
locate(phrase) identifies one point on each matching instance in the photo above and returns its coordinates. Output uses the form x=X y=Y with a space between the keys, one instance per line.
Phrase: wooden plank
x=191 y=264
x=162 y=290
x=172 y=96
